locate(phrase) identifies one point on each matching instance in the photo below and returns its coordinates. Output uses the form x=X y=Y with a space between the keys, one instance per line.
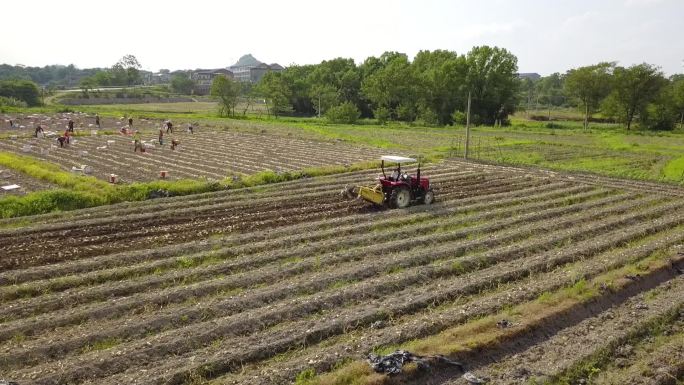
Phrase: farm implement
x=398 y=190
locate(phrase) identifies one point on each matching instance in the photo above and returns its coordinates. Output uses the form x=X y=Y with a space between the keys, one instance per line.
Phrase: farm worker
x=174 y=143
x=11 y=123
x=190 y=128
x=61 y=140
x=161 y=136
x=97 y=120
x=39 y=129
x=130 y=122
x=71 y=125
x=67 y=136
x=137 y=143
x=169 y=127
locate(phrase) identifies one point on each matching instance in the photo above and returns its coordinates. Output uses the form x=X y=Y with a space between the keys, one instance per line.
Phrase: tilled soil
x=256 y=285
x=205 y=154
x=548 y=358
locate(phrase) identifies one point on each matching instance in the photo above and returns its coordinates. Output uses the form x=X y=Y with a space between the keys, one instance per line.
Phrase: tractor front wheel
x=400 y=198
x=429 y=197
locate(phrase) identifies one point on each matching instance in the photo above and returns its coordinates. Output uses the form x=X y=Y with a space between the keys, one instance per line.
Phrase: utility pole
x=467 y=141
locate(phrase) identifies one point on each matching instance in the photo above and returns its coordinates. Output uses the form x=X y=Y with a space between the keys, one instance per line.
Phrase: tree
x=392 y=85
x=24 y=90
x=276 y=91
x=333 y=82
x=492 y=80
x=662 y=112
x=87 y=84
x=439 y=75
x=182 y=84
x=297 y=79
x=550 y=89
x=634 y=88
x=126 y=71
x=344 y=113
x=103 y=78
x=678 y=97
x=589 y=85
x=226 y=91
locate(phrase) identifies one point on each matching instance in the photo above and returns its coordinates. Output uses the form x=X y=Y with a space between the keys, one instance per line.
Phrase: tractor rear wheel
x=400 y=198
x=429 y=197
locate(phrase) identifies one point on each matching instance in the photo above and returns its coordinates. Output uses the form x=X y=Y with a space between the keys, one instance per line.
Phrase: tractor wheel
x=400 y=198
x=429 y=197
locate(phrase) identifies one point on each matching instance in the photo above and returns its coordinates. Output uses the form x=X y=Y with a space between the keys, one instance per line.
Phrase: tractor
x=398 y=190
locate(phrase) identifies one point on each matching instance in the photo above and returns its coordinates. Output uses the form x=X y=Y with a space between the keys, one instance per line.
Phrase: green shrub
x=459 y=117
x=12 y=102
x=659 y=116
x=406 y=113
x=24 y=90
x=48 y=201
x=427 y=117
x=382 y=114
x=345 y=113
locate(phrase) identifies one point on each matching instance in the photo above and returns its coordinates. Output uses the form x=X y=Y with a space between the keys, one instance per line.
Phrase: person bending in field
x=39 y=129
x=70 y=126
x=97 y=120
x=174 y=143
x=161 y=137
x=67 y=136
x=190 y=129
x=11 y=123
x=130 y=122
x=137 y=142
x=62 y=141
x=169 y=127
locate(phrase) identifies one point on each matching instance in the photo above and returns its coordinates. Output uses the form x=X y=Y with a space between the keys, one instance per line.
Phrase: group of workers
x=65 y=139
x=166 y=128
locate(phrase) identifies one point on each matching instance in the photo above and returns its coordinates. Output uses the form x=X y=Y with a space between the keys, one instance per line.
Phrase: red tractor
x=398 y=190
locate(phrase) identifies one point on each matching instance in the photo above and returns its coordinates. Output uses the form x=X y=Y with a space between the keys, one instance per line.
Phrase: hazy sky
x=546 y=35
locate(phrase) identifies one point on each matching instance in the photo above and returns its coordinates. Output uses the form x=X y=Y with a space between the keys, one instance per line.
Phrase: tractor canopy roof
x=397 y=159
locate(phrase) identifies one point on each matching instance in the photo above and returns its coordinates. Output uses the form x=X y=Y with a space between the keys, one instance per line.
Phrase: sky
x=547 y=36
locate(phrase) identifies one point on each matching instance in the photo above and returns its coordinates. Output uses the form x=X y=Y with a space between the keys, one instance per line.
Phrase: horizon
x=545 y=38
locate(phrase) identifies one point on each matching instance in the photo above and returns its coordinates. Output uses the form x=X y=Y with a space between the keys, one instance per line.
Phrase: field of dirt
x=206 y=153
x=26 y=183
x=254 y=286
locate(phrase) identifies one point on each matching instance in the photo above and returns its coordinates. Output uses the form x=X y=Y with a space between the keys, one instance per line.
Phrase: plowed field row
x=176 y=226
x=256 y=285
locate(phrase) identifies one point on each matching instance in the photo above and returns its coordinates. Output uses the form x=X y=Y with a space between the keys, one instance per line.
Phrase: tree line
x=638 y=93
x=433 y=88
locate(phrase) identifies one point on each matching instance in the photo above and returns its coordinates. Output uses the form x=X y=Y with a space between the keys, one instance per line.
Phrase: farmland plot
x=205 y=154
x=26 y=183
x=26 y=123
x=259 y=285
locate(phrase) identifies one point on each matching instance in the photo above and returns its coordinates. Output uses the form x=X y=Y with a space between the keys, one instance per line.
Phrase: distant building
x=529 y=75
x=249 y=69
x=204 y=78
x=161 y=78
